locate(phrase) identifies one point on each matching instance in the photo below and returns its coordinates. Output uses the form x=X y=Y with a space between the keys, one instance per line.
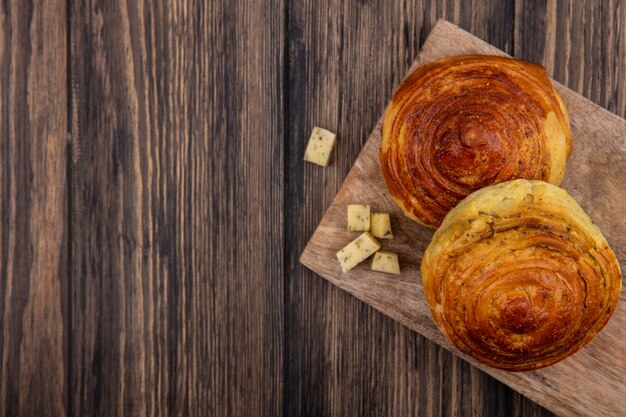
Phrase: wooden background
x=154 y=202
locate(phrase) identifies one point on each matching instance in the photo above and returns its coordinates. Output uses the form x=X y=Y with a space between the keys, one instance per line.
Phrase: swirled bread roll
x=518 y=276
x=462 y=123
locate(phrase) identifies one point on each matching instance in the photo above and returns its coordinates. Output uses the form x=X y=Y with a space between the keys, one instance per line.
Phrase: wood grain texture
x=177 y=234
x=161 y=280
x=599 y=137
x=33 y=195
x=581 y=44
x=342 y=355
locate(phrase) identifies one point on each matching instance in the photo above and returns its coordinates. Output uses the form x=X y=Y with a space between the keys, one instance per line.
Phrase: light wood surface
x=589 y=383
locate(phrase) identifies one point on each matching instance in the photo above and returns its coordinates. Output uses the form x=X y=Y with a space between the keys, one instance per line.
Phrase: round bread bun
x=462 y=123
x=518 y=277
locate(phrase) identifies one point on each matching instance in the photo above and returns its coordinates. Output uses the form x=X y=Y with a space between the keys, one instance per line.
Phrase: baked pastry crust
x=518 y=277
x=462 y=123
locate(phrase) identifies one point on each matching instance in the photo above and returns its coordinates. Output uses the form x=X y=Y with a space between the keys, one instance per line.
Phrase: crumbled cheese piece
x=320 y=146
x=381 y=226
x=385 y=261
x=357 y=251
x=358 y=217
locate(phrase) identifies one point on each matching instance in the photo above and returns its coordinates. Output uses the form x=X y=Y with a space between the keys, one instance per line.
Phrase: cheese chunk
x=358 y=217
x=381 y=226
x=320 y=146
x=385 y=261
x=357 y=251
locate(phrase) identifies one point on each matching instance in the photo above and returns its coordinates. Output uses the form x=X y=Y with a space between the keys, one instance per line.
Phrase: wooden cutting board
x=592 y=382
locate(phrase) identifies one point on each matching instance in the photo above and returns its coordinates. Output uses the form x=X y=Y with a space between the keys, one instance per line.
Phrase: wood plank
x=599 y=136
x=344 y=60
x=581 y=44
x=33 y=195
x=177 y=235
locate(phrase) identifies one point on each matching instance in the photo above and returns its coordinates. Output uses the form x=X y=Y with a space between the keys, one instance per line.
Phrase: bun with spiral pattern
x=462 y=123
x=518 y=277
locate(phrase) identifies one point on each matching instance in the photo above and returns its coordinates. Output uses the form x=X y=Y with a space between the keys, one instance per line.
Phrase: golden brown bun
x=518 y=276
x=462 y=123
